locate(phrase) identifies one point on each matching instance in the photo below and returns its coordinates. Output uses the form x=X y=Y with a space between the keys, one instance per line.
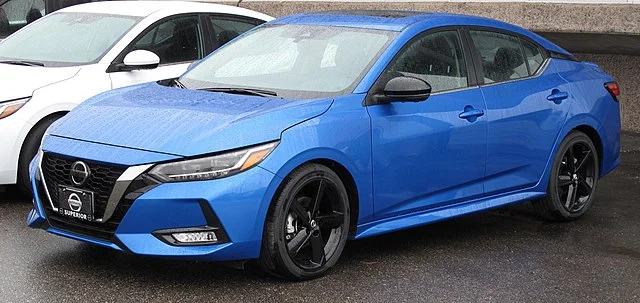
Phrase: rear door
x=430 y=153
x=224 y=28
x=526 y=107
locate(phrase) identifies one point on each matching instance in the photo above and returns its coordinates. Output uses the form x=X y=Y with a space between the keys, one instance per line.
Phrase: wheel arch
x=585 y=123
x=590 y=126
x=336 y=161
x=351 y=186
x=57 y=115
x=595 y=138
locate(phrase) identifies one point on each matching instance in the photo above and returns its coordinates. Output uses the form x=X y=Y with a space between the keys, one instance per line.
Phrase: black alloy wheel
x=573 y=181
x=576 y=177
x=308 y=224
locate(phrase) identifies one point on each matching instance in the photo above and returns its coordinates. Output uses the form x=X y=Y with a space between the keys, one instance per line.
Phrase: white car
x=60 y=60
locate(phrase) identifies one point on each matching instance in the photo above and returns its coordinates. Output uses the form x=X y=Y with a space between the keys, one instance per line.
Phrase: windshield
x=66 y=39
x=294 y=61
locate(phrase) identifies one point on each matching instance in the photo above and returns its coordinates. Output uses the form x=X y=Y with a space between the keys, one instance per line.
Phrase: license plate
x=75 y=203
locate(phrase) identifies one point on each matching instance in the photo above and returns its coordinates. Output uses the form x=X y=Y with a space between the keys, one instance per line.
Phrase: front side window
x=436 y=58
x=15 y=14
x=67 y=39
x=227 y=28
x=501 y=56
x=295 y=61
x=174 y=41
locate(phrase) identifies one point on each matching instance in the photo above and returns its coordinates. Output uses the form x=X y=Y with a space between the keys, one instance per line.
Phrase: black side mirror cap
x=404 y=89
x=121 y=67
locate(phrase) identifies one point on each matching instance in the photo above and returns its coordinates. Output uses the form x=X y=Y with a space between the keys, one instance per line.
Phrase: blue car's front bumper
x=239 y=204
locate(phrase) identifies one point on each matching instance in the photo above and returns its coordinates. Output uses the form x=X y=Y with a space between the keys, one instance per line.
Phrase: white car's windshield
x=294 y=61
x=64 y=39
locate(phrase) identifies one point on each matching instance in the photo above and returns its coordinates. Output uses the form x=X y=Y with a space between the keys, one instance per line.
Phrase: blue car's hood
x=183 y=122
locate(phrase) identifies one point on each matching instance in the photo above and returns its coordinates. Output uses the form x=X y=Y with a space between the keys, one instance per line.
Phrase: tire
x=572 y=184
x=299 y=243
x=29 y=150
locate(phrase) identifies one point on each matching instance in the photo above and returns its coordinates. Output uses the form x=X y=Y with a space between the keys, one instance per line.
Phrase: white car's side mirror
x=140 y=59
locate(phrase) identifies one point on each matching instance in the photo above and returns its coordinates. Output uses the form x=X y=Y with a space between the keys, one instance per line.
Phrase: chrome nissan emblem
x=74 y=202
x=79 y=173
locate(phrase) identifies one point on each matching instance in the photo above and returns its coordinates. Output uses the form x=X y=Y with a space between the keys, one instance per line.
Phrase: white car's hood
x=17 y=81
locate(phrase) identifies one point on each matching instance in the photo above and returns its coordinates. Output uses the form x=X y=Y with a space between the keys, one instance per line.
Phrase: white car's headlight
x=213 y=167
x=7 y=108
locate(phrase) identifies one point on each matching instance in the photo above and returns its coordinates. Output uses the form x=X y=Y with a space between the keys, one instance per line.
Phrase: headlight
x=9 y=107
x=214 y=167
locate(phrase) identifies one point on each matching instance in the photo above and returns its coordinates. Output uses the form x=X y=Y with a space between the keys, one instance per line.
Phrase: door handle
x=557 y=96
x=471 y=114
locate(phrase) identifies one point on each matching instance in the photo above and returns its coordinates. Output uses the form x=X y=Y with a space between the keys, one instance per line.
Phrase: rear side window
x=227 y=28
x=436 y=58
x=501 y=56
x=533 y=55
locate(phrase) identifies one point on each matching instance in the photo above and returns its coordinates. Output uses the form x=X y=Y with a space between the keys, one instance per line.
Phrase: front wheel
x=307 y=225
x=573 y=181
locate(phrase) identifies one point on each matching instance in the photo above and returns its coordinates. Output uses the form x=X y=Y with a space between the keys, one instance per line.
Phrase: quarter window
x=436 y=58
x=534 y=57
x=226 y=29
x=501 y=56
x=174 y=41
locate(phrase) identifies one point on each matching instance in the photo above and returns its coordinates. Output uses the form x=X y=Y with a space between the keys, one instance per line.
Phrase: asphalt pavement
x=507 y=255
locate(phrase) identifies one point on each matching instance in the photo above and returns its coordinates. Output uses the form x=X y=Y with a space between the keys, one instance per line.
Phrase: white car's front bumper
x=12 y=134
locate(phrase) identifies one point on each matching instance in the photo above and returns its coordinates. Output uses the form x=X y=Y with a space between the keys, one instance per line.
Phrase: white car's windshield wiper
x=21 y=62
x=178 y=84
x=243 y=91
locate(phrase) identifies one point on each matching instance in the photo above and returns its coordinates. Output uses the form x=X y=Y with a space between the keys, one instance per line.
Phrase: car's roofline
x=148 y=8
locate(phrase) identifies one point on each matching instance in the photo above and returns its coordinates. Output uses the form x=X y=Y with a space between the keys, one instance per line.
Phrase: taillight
x=613 y=89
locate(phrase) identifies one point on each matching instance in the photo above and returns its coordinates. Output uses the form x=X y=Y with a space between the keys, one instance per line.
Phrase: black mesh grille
x=56 y=170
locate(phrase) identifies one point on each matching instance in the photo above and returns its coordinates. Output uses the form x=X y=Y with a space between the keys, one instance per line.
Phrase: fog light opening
x=196 y=237
x=192 y=236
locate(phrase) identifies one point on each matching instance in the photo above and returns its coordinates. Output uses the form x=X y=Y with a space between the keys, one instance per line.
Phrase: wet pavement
x=504 y=255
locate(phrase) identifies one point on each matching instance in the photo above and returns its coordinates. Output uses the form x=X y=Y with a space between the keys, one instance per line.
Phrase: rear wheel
x=573 y=181
x=307 y=225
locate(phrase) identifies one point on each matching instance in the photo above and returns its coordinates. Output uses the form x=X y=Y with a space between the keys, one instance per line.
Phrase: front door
x=178 y=42
x=430 y=153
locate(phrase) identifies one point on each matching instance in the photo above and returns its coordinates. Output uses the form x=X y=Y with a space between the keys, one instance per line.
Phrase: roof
x=374 y=13
x=373 y=19
x=400 y=20
x=146 y=8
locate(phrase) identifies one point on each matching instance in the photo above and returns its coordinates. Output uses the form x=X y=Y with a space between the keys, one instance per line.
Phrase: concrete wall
x=626 y=70
x=569 y=20
x=618 y=18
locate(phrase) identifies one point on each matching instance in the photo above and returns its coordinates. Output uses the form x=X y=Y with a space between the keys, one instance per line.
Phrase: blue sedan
x=317 y=128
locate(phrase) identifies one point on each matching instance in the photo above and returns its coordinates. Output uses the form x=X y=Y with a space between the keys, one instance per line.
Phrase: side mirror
x=405 y=89
x=139 y=59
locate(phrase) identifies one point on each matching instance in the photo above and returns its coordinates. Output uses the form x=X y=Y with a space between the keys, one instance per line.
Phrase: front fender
x=342 y=134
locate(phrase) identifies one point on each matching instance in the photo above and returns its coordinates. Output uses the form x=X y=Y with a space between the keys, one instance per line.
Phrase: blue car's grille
x=56 y=170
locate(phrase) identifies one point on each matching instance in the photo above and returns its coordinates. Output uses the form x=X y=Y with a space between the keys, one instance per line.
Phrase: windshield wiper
x=178 y=84
x=22 y=62
x=243 y=91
